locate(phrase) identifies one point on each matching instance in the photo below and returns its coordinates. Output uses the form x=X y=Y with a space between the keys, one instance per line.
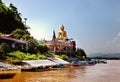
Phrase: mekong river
x=109 y=72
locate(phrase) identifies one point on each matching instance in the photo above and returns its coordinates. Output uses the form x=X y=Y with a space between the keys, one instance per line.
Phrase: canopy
x=38 y=63
x=4 y=65
x=59 y=61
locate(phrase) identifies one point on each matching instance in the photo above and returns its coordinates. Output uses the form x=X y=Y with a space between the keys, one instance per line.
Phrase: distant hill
x=116 y=55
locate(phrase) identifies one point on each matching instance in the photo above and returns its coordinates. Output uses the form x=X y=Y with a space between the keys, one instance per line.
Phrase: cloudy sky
x=94 y=24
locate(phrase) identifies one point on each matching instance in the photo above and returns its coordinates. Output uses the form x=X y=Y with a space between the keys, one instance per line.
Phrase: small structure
x=14 y=43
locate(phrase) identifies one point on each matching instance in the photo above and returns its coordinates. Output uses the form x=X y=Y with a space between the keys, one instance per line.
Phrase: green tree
x=10 y=19
x=0 y=1
x=14 y=9
x=4 y=48
x=81 y=53
x=43 y=49
x=26 y=36
x=19 y=33
x=32 y=46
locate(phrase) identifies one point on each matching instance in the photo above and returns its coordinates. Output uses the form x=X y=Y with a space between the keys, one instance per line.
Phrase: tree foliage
x=4 y=48
x=32 y=46
x=10 y=19
x=81 y=53
x=0 y=1
x=43 y=49
x=19 y=33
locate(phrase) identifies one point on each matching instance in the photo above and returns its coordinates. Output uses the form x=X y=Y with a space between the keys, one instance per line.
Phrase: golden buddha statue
x=62 y=35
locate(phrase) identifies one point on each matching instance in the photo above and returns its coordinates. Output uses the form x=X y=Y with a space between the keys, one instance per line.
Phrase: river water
x=109 y=72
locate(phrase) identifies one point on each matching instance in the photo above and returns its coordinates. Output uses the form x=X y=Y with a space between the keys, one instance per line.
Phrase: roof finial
x=54 y=36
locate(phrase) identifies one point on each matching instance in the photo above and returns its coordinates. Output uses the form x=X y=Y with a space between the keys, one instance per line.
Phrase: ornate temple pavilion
x=61 y=44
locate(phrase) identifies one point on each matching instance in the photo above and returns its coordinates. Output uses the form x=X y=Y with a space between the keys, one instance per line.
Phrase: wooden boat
x=83 y=63
x=7 y=74
x=59 y=66
x=102 y=61
x=8 y=71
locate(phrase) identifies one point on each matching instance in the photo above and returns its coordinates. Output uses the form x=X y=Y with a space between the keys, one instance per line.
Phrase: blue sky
x=94 y=24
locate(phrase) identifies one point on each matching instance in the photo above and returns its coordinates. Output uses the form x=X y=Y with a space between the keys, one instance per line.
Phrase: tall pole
x=54 y=42
x=54 y=49
x=25 y=20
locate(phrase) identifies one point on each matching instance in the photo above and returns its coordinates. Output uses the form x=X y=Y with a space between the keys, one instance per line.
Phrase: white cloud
x=116 y=39
x=113 y=46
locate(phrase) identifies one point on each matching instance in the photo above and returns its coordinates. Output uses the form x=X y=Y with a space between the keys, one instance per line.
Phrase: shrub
x=42 y=56
x=25 y=56
x=43 y=48
x=5 y=48
x=32 y=46
x=64 y=57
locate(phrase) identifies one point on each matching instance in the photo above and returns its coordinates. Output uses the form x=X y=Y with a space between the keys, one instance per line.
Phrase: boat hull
x=83 y=63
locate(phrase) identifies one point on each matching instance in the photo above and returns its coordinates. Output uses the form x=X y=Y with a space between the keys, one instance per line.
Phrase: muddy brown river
x=109 y=72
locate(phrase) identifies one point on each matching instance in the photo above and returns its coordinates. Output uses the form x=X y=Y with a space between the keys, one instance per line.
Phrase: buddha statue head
x=62 y=28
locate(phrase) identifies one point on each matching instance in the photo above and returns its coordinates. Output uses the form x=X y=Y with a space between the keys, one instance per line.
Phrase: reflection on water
x=98 y=73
